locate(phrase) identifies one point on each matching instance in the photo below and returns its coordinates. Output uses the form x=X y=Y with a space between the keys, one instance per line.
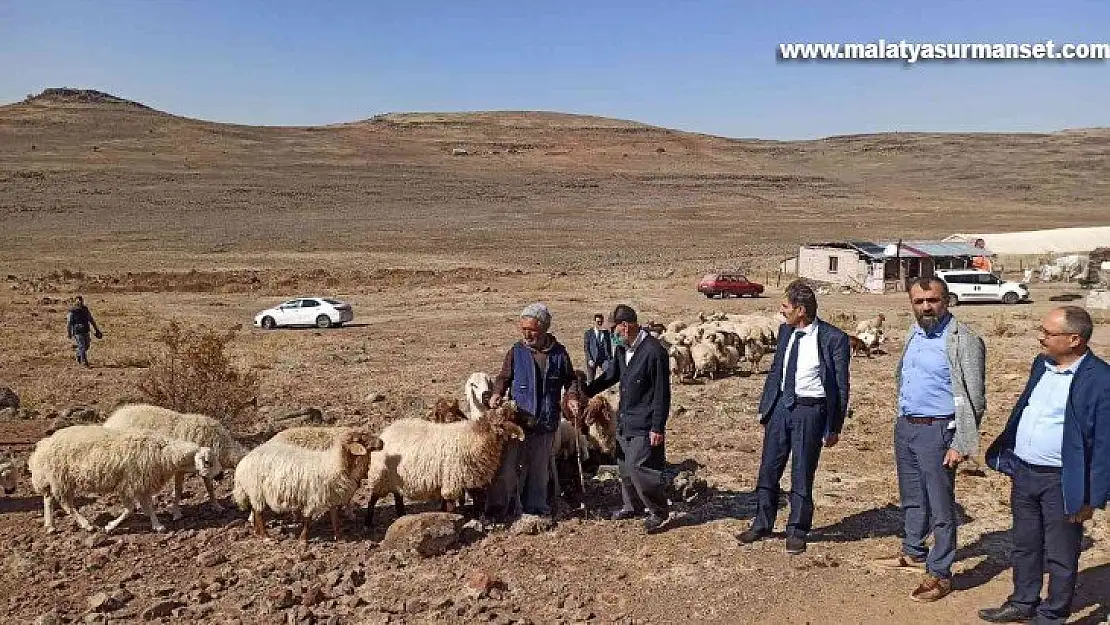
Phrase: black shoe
x=1008 y=613
x=795 y=545
x=655 y=524
x=624 y=515
x=750 y=536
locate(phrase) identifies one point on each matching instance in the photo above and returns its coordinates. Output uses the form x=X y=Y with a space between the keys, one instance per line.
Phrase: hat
x=540 y=313
x=623 y=313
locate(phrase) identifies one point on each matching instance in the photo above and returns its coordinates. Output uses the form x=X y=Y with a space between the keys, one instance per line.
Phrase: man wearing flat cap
x=535 y=373
x=641 y=366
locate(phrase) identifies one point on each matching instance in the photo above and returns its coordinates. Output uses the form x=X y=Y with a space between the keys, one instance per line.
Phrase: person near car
x=641 y=366
x=941 y=386
x=804 y=403
x=597 y=344
x=535 y=373
x=79 y=325
x=1056 y=449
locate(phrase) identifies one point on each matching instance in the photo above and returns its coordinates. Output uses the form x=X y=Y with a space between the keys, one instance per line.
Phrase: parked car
x=974 y=285
x=728 y=285
x=322 y=312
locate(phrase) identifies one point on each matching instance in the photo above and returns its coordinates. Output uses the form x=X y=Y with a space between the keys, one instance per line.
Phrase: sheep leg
x=370 y=510
x=68 y=508
x=148 y=508
x=175 y=507
x=259 y=524
x=335 y=522
x=212 y=499
x=125 y=511
x=305 y=522
x=48 y=513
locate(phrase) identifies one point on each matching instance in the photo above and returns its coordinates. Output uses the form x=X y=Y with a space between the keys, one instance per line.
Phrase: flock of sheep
x=304 y=471
x=447 y=454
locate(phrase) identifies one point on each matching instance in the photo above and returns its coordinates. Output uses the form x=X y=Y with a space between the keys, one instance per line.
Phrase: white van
x=973 y=285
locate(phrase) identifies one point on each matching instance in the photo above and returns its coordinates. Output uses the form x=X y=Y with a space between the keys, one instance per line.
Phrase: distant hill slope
x=137 y=175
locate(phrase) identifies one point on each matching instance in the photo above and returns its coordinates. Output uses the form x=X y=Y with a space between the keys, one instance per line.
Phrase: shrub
x=193 y=373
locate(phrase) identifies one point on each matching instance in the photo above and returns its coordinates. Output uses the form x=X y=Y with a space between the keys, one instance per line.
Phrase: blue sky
x=701 y=66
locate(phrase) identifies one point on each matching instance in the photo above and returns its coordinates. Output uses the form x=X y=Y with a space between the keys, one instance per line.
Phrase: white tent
x=1054 y=241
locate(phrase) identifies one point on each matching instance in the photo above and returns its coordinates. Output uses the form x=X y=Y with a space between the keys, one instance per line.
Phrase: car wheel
x=953 y=299
x=269 y=323
x=1010 y=298
x=323 y=321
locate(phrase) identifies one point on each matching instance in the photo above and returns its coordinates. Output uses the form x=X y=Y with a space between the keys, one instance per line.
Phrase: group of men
x=1055 y=446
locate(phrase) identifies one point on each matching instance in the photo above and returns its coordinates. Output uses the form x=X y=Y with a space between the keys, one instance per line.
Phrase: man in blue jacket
x=804 y=402
x=1056 y=449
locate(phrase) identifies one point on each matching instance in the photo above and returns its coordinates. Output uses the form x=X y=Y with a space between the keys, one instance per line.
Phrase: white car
x=322 y=312
x=973 y=285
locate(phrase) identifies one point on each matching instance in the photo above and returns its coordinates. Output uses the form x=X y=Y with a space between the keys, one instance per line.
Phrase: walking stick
x=581 y=473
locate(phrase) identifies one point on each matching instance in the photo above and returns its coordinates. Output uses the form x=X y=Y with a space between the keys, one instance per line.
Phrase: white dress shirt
x=631 y=349
x=807 y=380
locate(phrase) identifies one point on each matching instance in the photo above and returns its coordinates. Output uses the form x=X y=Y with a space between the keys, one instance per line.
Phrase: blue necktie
x=791 y=372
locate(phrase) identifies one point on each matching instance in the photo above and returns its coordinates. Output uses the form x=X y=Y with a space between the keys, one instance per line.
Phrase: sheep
x=321 y=438
x=446 y=410
x=682 y=363
x=285 y=475
x=858 y=345
x=476 y=390
x=133 y=464
x=675 y=327
x=439 y=461
x=874 y=323
x=754 y=351
x=706 y=358
x=9 y=473
x=195 y=428
x=601 y=426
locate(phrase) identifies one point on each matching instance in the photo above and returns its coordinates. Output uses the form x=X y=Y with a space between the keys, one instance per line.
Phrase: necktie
x=791 y=371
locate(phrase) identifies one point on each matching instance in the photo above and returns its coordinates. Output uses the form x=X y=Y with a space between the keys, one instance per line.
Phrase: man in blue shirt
x=1056 y=448
x=941 y=382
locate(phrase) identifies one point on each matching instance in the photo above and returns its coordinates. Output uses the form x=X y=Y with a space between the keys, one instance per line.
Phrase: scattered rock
x=9 y=413
x=480 y=584
x=427 y=533
x=102 y=602
x=312 y=596
x=280 y=598
x=374 y=398
x=95 y=540
x=50 y=618
x=532 y=524
x=8 y=398
x=210 y=559
x=161 y=609
x=75 y=415
x=686 y=486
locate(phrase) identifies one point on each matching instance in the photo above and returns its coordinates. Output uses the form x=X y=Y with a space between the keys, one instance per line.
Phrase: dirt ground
x=172 y=219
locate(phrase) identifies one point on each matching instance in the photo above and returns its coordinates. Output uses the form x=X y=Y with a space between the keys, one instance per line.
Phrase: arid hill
x=87 y=171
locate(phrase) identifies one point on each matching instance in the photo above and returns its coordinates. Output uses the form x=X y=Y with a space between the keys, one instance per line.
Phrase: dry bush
x=194 y=374
x=1001 y=327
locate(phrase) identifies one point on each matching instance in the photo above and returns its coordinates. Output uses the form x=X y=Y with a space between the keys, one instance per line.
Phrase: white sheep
x=321 y=438
x=195 y=428
x=682 y=363
x=871 y=324
x=9 y=473
x=132 y=464
x=475 y=390
x=281 y=475
x=706 y=357
x=424 y=461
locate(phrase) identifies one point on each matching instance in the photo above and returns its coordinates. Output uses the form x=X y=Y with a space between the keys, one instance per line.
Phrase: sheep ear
x=356 y=449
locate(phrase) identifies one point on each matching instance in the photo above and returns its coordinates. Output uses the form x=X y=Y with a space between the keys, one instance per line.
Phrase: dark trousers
x=641 y=471
x=81 y=340
x=522 y=479
x=1043 y=540
x=928 y=492
x=796 y=433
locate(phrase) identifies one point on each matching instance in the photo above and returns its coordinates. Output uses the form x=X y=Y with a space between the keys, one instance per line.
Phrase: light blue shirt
x=926 y=375
x=1040 y=433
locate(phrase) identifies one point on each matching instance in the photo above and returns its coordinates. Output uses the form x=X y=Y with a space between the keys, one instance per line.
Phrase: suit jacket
x=833 y=353
x=598 y=353
x=1085 y=453
x=967 y=361
x=645 y=385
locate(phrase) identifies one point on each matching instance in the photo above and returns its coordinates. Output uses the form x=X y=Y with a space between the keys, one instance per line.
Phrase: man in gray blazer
x=941 y=382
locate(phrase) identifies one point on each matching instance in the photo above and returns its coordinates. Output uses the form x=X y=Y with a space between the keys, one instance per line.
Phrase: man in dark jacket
x=641 y=366
x=1056 y=449
x=79 y=323
x=804 y=402
x=597 y=344
x=536 y=371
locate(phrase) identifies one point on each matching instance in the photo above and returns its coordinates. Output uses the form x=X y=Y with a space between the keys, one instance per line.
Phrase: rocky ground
x=413 y=341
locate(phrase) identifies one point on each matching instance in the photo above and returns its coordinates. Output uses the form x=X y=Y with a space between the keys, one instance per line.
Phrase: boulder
x=428 y=534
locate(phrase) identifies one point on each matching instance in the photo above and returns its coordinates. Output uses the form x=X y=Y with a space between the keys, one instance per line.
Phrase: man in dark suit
x=598 y=347
x=805 y=399
x=641 y=366
x=1056 y=449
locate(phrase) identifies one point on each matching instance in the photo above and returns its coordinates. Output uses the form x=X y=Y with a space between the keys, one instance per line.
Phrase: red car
x=728 y=285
